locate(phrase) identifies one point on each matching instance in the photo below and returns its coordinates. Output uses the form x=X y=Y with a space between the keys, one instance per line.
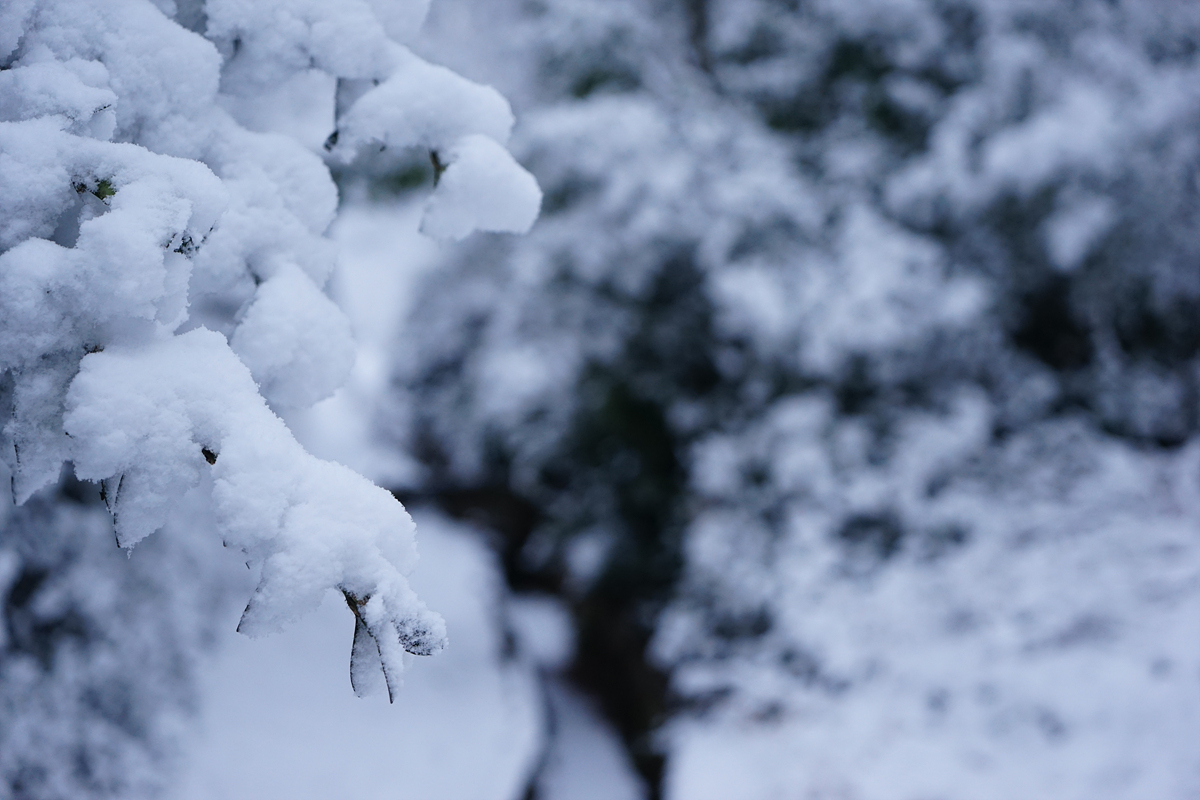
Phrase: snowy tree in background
x=848 y=388
x=162 y=258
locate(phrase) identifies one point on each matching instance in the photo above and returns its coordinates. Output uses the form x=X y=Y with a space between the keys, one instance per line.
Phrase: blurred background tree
x=846 y=389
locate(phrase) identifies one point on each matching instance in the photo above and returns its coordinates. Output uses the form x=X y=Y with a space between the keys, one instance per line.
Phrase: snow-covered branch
x=162 y=259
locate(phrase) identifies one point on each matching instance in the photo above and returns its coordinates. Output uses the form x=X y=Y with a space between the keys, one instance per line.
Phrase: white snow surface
x=482 y=189
x=279 y=721
x=586 y=759
x=1050 y=655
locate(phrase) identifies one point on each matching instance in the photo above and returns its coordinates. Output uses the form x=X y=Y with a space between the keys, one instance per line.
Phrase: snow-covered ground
x=280 y=722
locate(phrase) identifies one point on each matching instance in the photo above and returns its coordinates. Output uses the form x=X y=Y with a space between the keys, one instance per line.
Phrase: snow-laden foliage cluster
x=162 y=263
x=97 y=651
x=851 y=378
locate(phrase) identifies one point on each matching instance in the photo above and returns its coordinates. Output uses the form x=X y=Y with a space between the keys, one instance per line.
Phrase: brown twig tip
x=354 y=601
x=438 y=166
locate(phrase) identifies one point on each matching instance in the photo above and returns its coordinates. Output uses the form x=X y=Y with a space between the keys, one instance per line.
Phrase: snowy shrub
x=848 y=388
x=162 y=262
x=97 y=651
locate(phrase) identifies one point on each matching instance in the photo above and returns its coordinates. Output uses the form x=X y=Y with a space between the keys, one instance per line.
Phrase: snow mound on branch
x=464 y=125
x=145 y=420
x=424 y=105
x=483 y=189
x=288 y=336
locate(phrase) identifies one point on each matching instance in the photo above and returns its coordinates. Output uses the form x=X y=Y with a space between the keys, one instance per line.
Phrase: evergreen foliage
x=849 y=382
